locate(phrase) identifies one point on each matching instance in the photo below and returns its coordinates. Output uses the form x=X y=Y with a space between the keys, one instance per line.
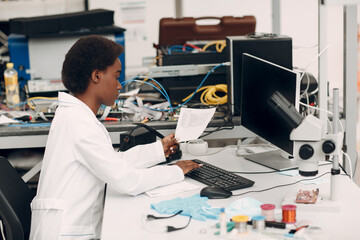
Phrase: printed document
x=192 y=123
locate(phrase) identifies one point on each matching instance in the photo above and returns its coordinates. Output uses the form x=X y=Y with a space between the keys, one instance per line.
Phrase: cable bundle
x=209 y=96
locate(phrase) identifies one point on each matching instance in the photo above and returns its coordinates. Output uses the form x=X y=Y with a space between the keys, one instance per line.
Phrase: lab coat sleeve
x=94 y=150
x=144 y=159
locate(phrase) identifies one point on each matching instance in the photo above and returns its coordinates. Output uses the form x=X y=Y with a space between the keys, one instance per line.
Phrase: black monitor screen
x=260 y=80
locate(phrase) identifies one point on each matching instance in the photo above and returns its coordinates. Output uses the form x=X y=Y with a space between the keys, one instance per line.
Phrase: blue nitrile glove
x=194 y=206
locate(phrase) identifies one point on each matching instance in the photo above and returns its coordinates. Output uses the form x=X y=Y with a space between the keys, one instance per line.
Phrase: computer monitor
x=260 y=80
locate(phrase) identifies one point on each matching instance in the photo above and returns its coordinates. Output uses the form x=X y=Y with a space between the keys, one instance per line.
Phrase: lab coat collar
x=68 y=100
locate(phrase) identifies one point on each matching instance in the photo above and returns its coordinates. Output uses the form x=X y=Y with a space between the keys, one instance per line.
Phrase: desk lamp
x=311 y=142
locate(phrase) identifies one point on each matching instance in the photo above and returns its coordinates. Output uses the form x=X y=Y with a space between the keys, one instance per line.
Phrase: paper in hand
x=192 y=123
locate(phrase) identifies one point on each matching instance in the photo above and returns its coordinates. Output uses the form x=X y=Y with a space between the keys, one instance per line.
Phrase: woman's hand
x=187 y=165
x=169 y=144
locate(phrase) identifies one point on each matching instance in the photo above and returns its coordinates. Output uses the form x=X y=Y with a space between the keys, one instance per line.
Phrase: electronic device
x=214 y=192
x=313 y=143
x=260 y=80
x=137 y=136
x=180 y=70
x=179 y=81
x=271 y=47
x=37 y=45
x=215 y=176
x=144 y=134
x=44 y=86
x=42 y=57
x=65 y=22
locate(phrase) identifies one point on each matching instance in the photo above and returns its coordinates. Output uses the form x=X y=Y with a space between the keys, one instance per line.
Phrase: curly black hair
x=89 y=53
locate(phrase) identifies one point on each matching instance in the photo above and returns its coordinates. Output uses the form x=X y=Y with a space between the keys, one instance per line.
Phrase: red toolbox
x=180 y=31
x=176 y=31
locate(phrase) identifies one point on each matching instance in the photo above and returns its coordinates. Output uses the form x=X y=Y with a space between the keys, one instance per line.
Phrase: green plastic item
x=230 y=226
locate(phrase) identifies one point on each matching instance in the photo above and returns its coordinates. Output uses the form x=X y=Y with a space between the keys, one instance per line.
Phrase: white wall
x=32 y=8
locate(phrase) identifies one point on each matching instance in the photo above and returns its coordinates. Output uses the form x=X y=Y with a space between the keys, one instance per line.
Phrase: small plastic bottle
x=11 y=85
x=223 y=224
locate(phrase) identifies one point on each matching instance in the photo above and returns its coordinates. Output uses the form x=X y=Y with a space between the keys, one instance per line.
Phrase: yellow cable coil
x=37 y=98
x=209 y=96
x=220 y=45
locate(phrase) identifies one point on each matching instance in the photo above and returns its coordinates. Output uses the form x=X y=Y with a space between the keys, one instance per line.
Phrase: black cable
x=150 y=217
x=150 y=129
x=227 y=118
x=222 y=127
x=129 y=134
x=259 y=172
x=172 y=229
x=342 y=168
x=283 y=185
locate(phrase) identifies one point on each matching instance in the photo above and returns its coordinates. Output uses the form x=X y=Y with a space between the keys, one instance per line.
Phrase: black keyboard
x=215 y=176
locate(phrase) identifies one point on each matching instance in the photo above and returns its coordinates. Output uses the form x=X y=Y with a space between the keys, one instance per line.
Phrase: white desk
x=123 y=214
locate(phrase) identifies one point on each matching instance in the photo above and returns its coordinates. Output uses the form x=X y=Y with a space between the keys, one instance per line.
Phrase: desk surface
x=123 y=214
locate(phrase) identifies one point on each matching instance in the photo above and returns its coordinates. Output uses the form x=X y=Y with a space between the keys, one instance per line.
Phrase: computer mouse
x=213 y=192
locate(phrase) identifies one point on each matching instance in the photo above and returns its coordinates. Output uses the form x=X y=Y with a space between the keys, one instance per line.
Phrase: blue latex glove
x=194 y=206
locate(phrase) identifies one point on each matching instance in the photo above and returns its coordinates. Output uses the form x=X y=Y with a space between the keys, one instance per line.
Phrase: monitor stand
x=274 y=159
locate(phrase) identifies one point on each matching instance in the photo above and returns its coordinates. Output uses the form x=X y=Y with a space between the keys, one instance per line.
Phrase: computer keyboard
x=215 y=176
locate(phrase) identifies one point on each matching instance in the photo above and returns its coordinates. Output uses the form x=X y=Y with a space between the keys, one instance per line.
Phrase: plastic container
x=258 y=223
x=11 y=86
x=240 y=223
x=267 y=210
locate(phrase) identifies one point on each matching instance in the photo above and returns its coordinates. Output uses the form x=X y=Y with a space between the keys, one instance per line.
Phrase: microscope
x=311 y=142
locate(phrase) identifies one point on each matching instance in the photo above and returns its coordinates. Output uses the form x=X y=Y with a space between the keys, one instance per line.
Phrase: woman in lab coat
x=79 y=157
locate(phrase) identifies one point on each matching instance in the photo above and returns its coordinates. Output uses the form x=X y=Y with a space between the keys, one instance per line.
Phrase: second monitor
x=260 y=80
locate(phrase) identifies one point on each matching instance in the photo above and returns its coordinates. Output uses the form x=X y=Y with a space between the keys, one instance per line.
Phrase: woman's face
x=110 y=85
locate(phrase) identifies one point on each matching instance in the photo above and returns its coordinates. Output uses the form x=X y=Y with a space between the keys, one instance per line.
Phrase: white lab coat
x=79 y=159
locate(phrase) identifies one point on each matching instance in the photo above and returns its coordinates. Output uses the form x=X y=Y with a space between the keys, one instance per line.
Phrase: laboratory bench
x=27 y=136
x=124 y=215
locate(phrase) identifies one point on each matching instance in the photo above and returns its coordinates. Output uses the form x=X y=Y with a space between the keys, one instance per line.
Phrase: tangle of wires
x=223 y=113
x=212 y=46
x=155 y=84
x=309 y=93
